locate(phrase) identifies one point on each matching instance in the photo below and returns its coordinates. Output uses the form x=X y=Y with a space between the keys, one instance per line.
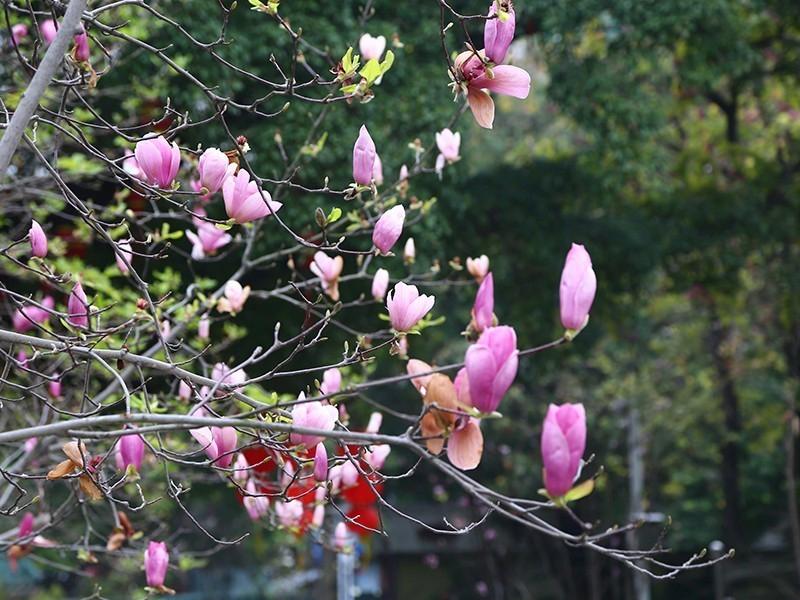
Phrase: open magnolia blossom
x=235 y=297
x=328 y=270
x=244 y=202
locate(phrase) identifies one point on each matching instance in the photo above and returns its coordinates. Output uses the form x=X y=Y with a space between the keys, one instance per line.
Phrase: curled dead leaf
x=90 y=488
x=76 y=452
x=62 y=469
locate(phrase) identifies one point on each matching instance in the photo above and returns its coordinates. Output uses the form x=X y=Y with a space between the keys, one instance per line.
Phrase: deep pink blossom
x=214 y=168
x=156 y=562
x=563 y=443
x=313 y=415
x=130 y=451
x=321 y=463
x=577 y=289
x=18 y=33
x=26 y=318
x=48 y=29
x=491 y=365
x=328 y=270
x=244 y=202
x=158 y=161
x=498 y=33
x=483 y=309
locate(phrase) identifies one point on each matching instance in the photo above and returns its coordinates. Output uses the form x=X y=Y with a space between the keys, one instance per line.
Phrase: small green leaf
x=334 y=215
x=580 y=491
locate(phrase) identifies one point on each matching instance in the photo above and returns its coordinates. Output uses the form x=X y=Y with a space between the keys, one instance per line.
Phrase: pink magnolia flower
x=377 y=170
x=461 y=383
x=465 y=444
x=331 y=381
x=376 y=457
x=388 y=228
x=226 y=375
x=240 y=469
x=244 y=202
x=478 y=267
x=321 y=463
x=158 y=161
x=407 y=306
x=81 y=50
x=380 y=282
x=78 y=307
x=313 y=415
x=562 y=445
x=491 y=365
x=48 y=29
x=18 y=33
x=403 y=173
x=25 y=526
x=156 y=561
x=26 y=318
x=234 y=297
x=184 y=390
x=30 y=444
x=54 y=388
x=289 y=513
x=409 y=251
x=374 y=424
x=349 y=474
x=318 y=517
x=341 y=538
x=204 y=327
x=218 y=443
x=257 y=505
x=476 y=82
x=483 y=310
x=123 y=255
x=38 y=240
x=214 y=168
x=415 y=366
x=577 y=289
x=371 y=47
x=364 y=156
x=130 y=451
x=328 y=270
x=208 y=239
x=448 y=144
x=498 y=33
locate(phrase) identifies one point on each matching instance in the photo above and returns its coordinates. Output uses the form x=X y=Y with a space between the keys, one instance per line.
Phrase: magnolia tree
x=119 y=387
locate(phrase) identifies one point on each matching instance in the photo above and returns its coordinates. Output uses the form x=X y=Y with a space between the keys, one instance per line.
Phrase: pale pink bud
x=409 y=251
x=318 y=518
x=204 y=327
x=363 y=157
x=577 y=289
x=78 y=307
x=18 y=33
x=498 y=33
x=403 y=173
x=234 y=297
x=30 y=444
x=224 y=374
x=313 y=415
x=124 y=255
x=240 y=469
x=289 y=513
x=377 y=170
x=388 y=228
x=416 y=366
x=449 y=144
x=349 y=474
x=81 y=49
x=156 y=561
x=371 y=47
x=331 y=381
x=256 y=504
x=214 y=168
x=491 y=365
x=158 y=161
x=166 y=328
x=376 y=457
x=130 y=451
x=243 y=200
x=380 y=282
x=26 y=318
x=25 y=525
x=563 y=443
x=483 y=310
x=184 y=390
x=328 y=270
x=341 y=537
x=321 y=463
x=478 y=267
x=38 y=240
x=54 y=388
x=335 y=477
x=407 y=306
x=374 y=424
x=48 y=29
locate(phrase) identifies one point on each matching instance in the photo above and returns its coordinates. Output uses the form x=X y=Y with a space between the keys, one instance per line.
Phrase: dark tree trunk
x=729 y=469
